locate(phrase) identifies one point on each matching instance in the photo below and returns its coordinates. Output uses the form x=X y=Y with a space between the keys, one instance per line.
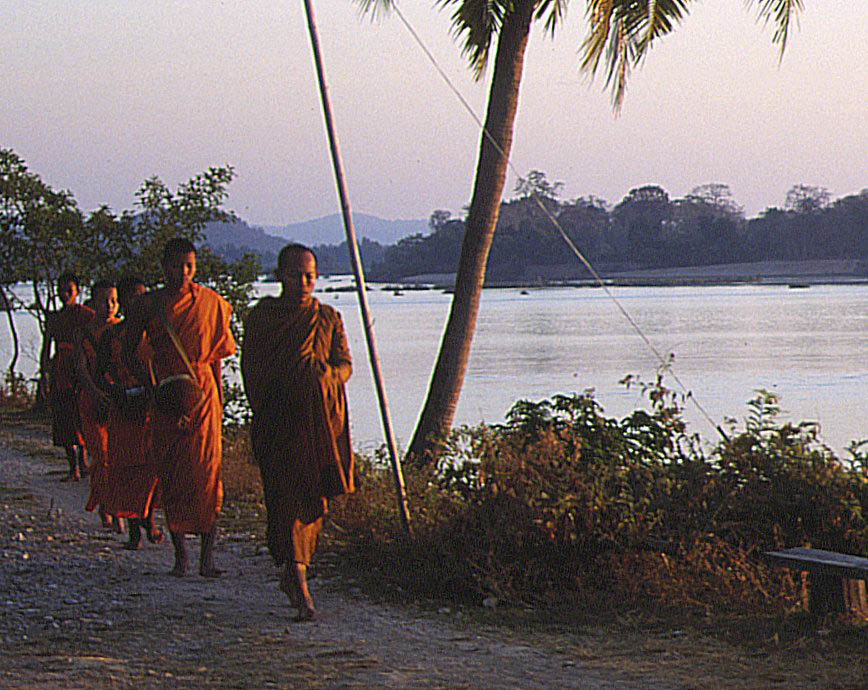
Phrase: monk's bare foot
x=210 y=572
x=306 y=612
x=155 y=535
x=180 y=569
x=135 y=540
x=289 y=586
x=72 y=477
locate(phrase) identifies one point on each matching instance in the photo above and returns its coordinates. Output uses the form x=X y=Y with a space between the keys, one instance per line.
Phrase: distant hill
x=240 y=234
x=234 y=240
x=330 y=229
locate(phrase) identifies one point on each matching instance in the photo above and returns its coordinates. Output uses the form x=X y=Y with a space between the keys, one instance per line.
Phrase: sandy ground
x=78 y=611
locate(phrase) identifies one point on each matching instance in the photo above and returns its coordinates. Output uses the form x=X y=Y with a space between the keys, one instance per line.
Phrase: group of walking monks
x=167 y=454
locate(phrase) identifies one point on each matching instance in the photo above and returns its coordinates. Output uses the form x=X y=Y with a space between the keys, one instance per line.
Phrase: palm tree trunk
x=448 y=377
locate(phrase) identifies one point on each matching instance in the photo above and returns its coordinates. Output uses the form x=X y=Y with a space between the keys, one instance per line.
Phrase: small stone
x=490 y=602
x=444 y=610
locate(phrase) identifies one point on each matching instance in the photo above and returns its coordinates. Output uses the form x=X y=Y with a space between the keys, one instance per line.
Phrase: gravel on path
x=79 y=611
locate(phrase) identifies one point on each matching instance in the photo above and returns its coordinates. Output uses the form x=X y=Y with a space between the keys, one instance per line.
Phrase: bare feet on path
x=78 y=610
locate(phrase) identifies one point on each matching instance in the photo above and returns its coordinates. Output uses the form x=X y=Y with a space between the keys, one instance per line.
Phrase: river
x=806 y=345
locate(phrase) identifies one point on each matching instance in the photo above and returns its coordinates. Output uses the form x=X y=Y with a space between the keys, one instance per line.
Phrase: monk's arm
x=82 y=374
x=218 y=379
x=339 y=357
x=135 y=328
x=251 y=361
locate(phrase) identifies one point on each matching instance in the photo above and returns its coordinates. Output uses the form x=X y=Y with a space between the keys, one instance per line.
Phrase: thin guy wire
x=660 y=358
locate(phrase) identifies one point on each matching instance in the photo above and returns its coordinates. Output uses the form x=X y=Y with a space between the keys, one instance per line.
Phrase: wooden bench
x=837 y=582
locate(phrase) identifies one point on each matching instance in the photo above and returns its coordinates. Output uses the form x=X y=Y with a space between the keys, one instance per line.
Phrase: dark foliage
x=646 y=229
x=562 y=502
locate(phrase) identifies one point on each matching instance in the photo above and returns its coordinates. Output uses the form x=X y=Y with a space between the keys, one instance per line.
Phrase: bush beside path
x=80 y=611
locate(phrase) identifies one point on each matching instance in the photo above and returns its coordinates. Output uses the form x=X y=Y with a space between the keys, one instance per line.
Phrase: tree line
x=646 y=229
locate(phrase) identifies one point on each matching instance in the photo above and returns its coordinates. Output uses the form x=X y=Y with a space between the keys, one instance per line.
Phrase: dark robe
x=294 y=364
x=61 y=326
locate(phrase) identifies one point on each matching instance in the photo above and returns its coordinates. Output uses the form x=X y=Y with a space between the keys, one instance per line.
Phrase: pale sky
x=97 y=96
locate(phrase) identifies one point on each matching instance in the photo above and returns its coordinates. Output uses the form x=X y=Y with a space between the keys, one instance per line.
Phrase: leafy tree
x=621 y=33
x=803 y=198
x=716 y=198
x=42 y=234
x=641 y=216
x=438 y=219
x=40 y=229
x=536 y=184
x=586 y=222
x=164 y=214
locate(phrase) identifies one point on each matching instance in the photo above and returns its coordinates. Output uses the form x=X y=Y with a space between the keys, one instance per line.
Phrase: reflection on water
x=809 y=346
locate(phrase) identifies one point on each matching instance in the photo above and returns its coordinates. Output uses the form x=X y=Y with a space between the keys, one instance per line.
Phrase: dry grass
x=628 y=630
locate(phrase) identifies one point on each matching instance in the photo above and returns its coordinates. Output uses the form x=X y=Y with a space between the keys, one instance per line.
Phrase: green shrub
x=561 y=501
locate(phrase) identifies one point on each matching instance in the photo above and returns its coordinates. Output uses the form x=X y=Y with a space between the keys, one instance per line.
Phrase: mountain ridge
x=330 y=229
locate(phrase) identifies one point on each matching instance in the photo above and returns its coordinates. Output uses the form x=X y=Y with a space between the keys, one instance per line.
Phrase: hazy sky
x=98 y=96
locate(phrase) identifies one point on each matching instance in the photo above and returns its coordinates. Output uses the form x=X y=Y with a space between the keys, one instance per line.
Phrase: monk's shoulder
x=263 y=307
x=209 y=296
x=330 y=314
x=261 y=317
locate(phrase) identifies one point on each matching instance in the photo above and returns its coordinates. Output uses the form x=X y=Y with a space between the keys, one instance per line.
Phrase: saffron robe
x=94 y=426
x=63 y=396
x=188 y=454
x=130 y=466
x=294 y=364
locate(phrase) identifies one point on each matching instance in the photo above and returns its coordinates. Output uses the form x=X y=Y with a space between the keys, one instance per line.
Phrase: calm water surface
x=808 y=346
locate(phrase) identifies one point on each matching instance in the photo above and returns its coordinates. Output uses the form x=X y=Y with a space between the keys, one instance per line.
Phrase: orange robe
x=294 y=364
x=65 y=422
x=188 y=455
x=95 y=428
x=131 y=471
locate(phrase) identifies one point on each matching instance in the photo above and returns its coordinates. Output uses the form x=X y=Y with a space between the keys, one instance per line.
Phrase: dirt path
x=78 y=611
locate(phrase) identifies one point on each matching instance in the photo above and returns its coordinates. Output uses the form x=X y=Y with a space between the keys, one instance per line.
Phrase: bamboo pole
x=353 y=248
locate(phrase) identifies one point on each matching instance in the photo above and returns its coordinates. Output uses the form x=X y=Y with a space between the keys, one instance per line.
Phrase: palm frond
x=474 y=24
x=621 y=32
x=374 y=7
x=783 y=13
x=553 y=11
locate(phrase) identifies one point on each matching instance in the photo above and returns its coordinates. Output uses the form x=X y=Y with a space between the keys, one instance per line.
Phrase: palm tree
x=619 y=35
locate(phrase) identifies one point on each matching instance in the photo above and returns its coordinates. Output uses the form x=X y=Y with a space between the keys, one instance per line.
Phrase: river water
x=808 y=346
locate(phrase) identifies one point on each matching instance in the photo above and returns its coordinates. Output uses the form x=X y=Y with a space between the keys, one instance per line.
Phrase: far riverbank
x=791 y=273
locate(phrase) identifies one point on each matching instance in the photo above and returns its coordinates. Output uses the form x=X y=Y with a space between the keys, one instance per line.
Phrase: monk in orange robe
x=294 y=364
x=131 y=472
x=93 y=402
x=60 y=329
x=187 y=451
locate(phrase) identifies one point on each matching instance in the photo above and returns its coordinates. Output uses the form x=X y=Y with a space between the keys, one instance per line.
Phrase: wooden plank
x=799 y=558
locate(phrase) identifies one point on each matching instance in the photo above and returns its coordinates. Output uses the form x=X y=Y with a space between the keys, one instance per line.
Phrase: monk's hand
x=318 y=369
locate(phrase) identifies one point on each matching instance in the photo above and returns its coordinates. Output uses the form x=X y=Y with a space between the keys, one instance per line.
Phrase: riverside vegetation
x=543 y=519
x=554 y=511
